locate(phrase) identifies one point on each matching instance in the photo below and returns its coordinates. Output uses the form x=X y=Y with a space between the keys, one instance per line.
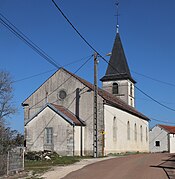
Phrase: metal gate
x=15 y=160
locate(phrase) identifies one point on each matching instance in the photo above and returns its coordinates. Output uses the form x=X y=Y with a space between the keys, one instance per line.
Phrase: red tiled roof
x=69 y=114
x=169 y=129
x=111 y=99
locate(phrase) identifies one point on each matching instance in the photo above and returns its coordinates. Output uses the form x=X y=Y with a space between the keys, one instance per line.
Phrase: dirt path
x=141 y=166
x=62 y=171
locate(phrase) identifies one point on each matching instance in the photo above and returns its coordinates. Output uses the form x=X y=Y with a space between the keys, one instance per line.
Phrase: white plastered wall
x=158 y=134
x=77 y=147
x=119 y=142
x=172 y=143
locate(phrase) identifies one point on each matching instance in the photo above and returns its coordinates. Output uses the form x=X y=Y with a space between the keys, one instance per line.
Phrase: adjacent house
x=59 y=114
x=162 y=138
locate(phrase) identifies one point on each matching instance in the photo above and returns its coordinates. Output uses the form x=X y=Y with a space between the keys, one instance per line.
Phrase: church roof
x=118 y=68
x=110 y=98
x=169 y=129
x=63 y=112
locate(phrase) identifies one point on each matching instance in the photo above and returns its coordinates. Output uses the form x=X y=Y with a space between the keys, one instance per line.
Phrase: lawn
x=36 y=167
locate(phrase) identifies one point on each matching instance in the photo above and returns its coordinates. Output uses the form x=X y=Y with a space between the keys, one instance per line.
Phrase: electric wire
x=32 y=76
x=156 y=101
x=4 y=21
x=64 y=81
x=73 y=26
x=42 y=131
x=29 y=77
x=146 y=99
x=162 y=121
x=159 y=81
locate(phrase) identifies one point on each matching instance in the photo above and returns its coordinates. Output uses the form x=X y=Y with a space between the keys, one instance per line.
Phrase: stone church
x=59 y=114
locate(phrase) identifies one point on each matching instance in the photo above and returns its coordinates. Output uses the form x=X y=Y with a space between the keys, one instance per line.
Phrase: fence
x=12 y=162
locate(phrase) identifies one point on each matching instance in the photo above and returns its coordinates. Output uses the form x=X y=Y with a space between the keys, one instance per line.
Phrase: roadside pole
x=95 y=132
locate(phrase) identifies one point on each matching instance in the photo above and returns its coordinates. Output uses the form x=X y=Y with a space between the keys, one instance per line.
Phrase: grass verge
x=37 y=167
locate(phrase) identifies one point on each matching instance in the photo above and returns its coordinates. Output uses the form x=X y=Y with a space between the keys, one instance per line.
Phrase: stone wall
x=79 y=100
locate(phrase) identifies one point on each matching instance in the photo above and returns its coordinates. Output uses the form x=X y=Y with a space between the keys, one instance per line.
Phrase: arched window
x=114 y=129
x=146 y=134
x=128 y=130
x=135 y=132
x=131 y=89
x=115 y=88
x=141 y=133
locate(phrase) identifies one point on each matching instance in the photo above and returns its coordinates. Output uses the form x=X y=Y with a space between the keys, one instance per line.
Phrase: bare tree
x=6 y=96
x=6 y=106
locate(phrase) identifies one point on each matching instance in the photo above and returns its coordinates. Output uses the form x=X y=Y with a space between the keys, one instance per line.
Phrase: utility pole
x=95 y=132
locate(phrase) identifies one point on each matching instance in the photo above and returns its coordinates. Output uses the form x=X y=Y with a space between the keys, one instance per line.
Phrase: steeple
x=118 y=67
x=118 y=80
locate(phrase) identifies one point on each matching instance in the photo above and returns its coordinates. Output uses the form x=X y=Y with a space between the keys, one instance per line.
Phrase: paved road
x=141 y=166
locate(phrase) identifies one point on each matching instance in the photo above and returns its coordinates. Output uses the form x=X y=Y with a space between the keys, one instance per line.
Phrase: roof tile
x=69 y=114
x=111 y=99
x=169 y=129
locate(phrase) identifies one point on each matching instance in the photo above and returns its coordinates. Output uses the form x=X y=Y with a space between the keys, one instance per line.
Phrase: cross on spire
x=117 y=4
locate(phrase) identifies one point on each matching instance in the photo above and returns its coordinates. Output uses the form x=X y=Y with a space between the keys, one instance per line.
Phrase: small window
x=128 y=130
x=131 y=102
x=157 y=143
x=49 y=135
x=115 y=88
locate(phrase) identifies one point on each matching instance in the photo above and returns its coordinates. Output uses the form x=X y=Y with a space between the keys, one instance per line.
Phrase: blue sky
x=146 y=29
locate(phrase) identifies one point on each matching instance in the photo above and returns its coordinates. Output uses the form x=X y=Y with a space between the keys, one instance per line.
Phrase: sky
x=146 y=29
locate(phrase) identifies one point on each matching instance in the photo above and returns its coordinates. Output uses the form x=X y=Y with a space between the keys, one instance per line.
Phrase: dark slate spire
x=118 y=67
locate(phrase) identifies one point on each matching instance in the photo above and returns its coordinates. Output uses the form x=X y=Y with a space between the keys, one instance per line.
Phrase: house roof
x=77 y=121
x=111 y=99
x=118 y=67
x=63 y=112
x=169 y=129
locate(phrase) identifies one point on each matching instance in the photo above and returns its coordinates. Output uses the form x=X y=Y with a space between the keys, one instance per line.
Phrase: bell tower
x=118 y=79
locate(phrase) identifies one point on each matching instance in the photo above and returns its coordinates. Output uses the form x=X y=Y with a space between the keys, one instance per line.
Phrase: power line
x=162 y=121
x=32 y=76
x=71 y=75
x=38 y=50
x=156 y=101
x=76 y=61
x=146 y=99
x=4 y=21
x=73 y=26
x=29 y=77
x=163 y=82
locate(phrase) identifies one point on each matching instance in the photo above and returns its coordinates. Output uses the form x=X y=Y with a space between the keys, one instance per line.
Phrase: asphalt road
x=140 y=166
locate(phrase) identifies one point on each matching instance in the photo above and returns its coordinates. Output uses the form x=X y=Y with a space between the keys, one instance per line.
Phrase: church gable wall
x=79 y=100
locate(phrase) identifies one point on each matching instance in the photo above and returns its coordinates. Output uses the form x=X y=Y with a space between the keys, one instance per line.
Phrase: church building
x=59 y=114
